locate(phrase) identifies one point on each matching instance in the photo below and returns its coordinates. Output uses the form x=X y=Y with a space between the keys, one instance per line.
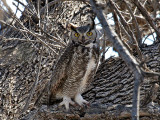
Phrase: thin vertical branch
x=46 y=16
x=129 y=37
x=155 y=6
x=124 y=23
x=103 y=48
x=128 y=29
x=47 y=8
x=126 y=56
x=139 y=35
x=39 y=17
x=147 y=16
x=117 y=27
x=13 y=18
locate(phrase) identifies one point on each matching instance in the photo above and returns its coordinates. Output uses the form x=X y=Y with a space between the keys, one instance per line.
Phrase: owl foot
x=79 y=99
x=66 y=101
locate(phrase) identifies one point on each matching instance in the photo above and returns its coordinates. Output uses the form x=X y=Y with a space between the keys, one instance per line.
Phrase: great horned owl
x=75 y=68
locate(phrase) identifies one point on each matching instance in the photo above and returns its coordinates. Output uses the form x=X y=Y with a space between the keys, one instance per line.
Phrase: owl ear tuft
x=92 y=24
x=71 y=26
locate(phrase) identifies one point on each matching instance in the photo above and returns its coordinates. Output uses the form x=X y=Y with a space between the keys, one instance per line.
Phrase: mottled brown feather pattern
x=74 y=70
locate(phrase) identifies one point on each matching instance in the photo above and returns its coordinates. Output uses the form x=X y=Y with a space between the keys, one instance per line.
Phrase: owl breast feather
x=91 y=66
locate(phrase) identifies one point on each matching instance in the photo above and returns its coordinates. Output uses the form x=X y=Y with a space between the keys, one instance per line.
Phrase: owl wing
x=58 y=77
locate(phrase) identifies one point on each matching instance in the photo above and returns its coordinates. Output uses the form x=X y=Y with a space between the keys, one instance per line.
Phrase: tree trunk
x=31 y=45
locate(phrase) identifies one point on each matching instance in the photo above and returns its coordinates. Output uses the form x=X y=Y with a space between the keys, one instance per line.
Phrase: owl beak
x=83 y=39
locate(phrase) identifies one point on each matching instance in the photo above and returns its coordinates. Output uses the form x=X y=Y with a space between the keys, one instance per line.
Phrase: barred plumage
x=74 y=69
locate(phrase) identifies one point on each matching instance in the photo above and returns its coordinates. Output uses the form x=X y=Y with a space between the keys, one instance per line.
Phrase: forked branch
x=126 y=56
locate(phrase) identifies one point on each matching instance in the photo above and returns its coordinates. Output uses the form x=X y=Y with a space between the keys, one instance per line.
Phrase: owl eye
x=89 y=33
x=76 y=34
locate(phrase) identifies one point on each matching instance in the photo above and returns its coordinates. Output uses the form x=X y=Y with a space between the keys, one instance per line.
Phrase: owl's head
x=83 y=35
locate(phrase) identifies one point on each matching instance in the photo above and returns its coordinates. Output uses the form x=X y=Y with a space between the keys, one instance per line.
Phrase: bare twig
x=104 y=48
x=29 y=40
x=146 y=15
x=40 y=28
x=127 y=57
x=124 y=23
x=128 y=29
x=48 y=35
x=155 y=6
x=117 y=27
x=13 y=18
x=31 y=33
x=56 y=1
x=46 y=17
x=139 y=35
x=150 y=74
x=126 y=33
x=39 y=16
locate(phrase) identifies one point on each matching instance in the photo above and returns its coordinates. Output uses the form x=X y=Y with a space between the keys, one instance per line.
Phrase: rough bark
x=28 y=51
x=110 y=94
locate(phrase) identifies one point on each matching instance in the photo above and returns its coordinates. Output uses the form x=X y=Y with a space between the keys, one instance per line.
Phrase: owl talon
x=66 y=101
x=79 y=99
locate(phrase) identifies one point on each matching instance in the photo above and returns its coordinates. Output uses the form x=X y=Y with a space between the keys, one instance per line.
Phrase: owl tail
x=43 y=98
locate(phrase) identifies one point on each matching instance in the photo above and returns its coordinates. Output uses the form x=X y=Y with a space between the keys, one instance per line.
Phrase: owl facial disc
x=83 y=35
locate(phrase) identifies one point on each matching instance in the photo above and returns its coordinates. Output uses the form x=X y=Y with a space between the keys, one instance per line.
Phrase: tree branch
x=31 y=33
x=128 y=28
x=126 y=56
x=146 y=15
x=139 y=35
